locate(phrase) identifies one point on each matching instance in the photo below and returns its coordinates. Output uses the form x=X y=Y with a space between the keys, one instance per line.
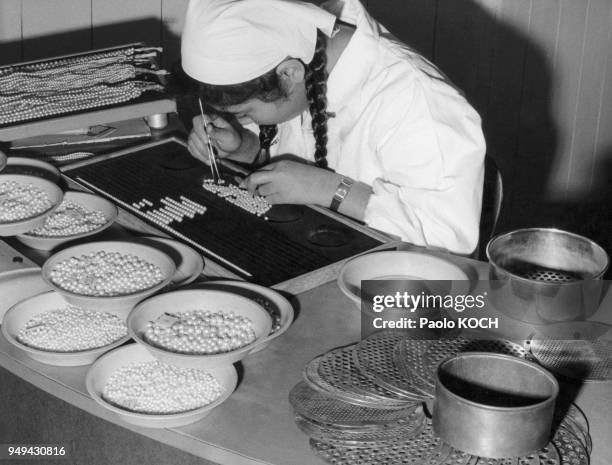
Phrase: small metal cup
x=543 y=276
x=493 y=405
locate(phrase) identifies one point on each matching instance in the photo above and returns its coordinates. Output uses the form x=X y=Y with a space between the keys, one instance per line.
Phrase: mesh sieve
x=571 y=450
x=319 y=407
x=312 y=377
x=382 y=436
x=414 y=451
x=579 y=359
x=441 y=349
x=338 y=368
x=374 y=357
x=550 y=276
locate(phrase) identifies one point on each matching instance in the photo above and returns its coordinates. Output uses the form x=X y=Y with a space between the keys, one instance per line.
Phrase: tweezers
x=214 y=163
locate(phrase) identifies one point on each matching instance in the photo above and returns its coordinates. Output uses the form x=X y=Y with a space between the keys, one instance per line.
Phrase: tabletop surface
x=255 y=425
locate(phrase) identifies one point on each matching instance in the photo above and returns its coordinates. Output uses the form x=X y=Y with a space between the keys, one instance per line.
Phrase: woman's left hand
x=289 y=181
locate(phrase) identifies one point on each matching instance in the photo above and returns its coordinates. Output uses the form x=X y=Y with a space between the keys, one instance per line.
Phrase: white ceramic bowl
x=33 y=167
x=53 y=191
x=89 y=201
x=397 y=265
x=124 y=302
x=271 y=298
x=17 y=317
x=101 y=371
x=189 y=263
x=16 y=285
x=199 y=299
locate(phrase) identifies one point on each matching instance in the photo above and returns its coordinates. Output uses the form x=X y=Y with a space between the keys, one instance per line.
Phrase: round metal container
x=542 y=276
x=494 y=405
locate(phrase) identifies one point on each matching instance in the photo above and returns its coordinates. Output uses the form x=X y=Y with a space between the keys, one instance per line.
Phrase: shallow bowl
x=21 y=226
x=101 y=371
x=92 y=203
x=123 y=302
x=17 y=317
x=205 y=300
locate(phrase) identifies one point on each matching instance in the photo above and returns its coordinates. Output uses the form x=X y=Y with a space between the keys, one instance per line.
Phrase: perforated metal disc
x=508 y=461
x=439 y=350
x=338 y=368
x=384 y=435
x=415 y=451
x=550 y=276
x=322 y=408
x=546 y=456
x=375 y=358
x=585 y=438
x=579 y=359
x=570 y=449
x=314 y=380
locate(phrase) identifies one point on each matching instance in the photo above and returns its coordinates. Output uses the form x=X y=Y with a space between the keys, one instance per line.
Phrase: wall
x=538 y=71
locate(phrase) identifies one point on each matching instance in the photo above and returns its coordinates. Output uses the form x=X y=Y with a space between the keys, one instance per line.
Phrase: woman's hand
x=223 y=136
x=229 y=140
x=293 y=182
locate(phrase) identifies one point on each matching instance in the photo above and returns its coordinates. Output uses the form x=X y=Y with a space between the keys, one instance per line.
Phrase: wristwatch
x=341 y=192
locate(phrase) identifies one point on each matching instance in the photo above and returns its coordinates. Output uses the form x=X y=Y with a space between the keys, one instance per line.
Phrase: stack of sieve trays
x=367 y=404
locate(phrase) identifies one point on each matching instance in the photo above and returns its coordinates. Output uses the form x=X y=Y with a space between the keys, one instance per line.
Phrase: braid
x=316 y=91
x=266 y=135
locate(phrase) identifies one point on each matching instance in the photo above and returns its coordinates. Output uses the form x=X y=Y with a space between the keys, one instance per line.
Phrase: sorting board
x=161 y=180
x=149 y=103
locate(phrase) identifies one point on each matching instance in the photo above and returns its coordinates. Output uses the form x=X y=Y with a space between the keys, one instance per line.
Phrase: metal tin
x=494 y=405
x=542 y=275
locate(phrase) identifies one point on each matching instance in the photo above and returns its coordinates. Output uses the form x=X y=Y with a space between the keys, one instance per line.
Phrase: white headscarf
x=233 y=41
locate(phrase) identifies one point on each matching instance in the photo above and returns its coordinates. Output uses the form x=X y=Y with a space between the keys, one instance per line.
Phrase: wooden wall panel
x=588 y=106
x=55 y=27
x=567 y=70
x=116 y=22
x=173 y=18
x=10 y=31
x=601 y=175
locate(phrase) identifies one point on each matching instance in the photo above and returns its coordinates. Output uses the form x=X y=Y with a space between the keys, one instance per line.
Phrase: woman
x=353 y=119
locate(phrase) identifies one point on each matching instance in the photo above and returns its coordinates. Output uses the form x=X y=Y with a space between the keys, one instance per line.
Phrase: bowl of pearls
x=79 y=215
x=144 y=391
x=48 y=330
x=199 y=327
x=25 y=202
x=108 y=275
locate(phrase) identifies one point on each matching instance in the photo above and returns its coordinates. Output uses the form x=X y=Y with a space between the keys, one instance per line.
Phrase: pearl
x=199 y=332
x=71 y=329
x=105 y=274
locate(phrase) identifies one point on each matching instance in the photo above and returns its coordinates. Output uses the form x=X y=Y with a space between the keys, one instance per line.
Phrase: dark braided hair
x=267 y=88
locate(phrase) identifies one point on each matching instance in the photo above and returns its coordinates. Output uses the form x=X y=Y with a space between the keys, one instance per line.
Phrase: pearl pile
x=158 y=388
x=20 y=202
x=104 y=274
x=67 y=85
x=70 y=219
x=200 y=332
x=255 y=204
x=72 y=329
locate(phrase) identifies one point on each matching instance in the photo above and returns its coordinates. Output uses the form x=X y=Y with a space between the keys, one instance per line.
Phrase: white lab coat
x=402 y=128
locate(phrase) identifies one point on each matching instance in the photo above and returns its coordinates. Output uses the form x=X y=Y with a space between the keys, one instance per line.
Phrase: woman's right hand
x=225 y=138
